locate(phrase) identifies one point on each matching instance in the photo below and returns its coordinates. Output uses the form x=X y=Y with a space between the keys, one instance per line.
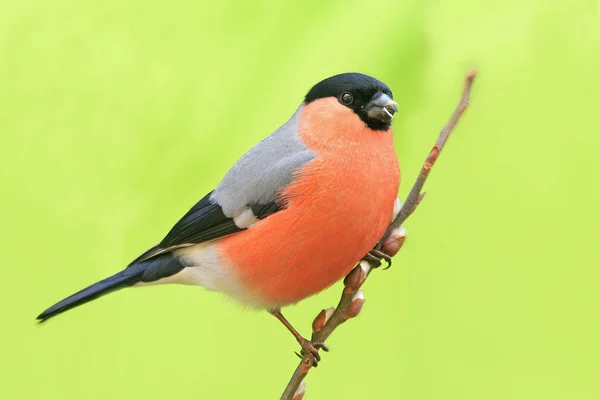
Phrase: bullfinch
x=292 y=216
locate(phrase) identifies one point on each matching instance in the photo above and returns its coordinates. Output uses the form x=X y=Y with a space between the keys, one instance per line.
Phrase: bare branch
x=415 y=196
x=352 y=297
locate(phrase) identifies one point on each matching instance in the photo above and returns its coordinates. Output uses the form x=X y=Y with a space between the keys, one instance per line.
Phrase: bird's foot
x=311 y=348
x=308 y=347
x=376 y=256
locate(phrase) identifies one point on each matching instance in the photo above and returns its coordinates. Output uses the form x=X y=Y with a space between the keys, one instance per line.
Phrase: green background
x=116 y=116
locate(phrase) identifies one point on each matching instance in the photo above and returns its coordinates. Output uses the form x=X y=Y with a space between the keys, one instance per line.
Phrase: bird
x=292 y=216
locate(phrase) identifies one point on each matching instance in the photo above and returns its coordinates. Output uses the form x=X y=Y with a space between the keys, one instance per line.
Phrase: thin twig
x=352 y=298
x=415 y=196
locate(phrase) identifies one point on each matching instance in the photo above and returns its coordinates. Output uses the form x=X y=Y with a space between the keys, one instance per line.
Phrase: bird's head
x=369 y=98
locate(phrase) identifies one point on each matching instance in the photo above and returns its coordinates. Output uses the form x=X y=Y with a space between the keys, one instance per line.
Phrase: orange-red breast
x=293 y=215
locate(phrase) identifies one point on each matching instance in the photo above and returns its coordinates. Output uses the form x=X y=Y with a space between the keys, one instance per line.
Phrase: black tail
x=150 y=270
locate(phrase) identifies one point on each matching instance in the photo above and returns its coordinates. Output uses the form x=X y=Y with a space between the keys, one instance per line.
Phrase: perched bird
x=293 y=215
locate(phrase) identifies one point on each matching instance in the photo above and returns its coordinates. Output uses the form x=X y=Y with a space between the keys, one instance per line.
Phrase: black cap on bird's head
x=369 y=98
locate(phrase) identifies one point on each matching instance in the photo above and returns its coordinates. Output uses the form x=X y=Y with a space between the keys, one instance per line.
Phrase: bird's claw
x=376 y=256
x=373 y=259
x=312 y=348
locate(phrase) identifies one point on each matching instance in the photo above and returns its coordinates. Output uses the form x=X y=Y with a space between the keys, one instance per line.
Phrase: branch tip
x=471 y=74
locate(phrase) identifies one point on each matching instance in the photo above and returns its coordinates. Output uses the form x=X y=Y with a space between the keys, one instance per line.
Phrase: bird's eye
x=346 y=98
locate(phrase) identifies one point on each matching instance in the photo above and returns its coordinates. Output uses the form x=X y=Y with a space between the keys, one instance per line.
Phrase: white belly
x=202 y=268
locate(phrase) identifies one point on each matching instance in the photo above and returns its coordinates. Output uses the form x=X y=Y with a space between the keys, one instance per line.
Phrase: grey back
x=260 y=173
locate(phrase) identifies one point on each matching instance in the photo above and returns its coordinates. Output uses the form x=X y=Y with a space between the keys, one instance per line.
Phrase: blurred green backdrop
x=116 y=116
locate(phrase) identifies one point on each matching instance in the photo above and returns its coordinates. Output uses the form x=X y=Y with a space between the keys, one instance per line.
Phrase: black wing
x=204 y=222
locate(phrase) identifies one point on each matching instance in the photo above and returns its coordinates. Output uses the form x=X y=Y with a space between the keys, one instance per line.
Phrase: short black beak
x=382 y=107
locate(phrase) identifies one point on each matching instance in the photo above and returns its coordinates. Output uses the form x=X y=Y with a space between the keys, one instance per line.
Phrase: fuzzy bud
x=354 y=279
x=366 y=267
x=299 y=394
x=357 y=303
x=322 y=319
x=433 y=155
x=394 y=242
x=397 y=208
